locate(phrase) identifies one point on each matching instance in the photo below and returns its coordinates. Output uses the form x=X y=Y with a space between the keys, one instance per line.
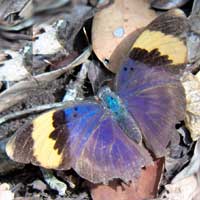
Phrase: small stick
x=33 y=110
x=16 y=36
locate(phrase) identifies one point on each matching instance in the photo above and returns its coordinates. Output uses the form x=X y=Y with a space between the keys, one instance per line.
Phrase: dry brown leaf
x=114 y=23
x=144 y=188
x=191 y=84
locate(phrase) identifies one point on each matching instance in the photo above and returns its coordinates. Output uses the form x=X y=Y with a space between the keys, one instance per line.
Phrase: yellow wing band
x=168 y=45
x=43 y=146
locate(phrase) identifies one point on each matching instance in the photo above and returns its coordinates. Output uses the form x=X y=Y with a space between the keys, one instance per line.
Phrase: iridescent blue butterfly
x=115 y=136
x=104 y=140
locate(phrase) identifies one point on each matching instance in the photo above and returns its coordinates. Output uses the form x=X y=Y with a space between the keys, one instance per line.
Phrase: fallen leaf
x=21 y=90
x=145 y=187
x=193 y=39
x=191 y=83
x=114 y=23
x=167 y=4
x=39 y=185
x=10 y=7
x=5 y=192
x=186 y=184
x=13 y=69
x=177 y=156
x=182 y=190
x=72 y=24
x=46 y=42
x=193 y=44
x=196 y=8
x=192 y=168
x=27 y=10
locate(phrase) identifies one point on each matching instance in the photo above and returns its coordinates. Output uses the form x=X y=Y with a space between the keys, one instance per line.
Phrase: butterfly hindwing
x=83 y=137
x=156 y=100
x=110 y=154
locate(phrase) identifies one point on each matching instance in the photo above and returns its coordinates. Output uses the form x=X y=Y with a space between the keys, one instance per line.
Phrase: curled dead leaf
x=191 y=83
x=114 y=23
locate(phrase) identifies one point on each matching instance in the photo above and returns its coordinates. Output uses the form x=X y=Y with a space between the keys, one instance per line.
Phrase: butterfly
x=116 y=135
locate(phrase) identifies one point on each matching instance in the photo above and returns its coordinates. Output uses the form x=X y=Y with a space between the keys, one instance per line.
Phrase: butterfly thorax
x=112 y=102
x=117 y=109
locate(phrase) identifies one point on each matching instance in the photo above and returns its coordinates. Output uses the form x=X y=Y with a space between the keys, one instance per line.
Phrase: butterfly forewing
x=45 y=140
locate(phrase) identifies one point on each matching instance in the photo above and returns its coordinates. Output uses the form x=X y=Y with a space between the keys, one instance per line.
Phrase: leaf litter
x=67 y=69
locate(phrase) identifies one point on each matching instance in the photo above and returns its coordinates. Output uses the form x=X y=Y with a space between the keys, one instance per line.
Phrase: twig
x=32 y=110
x=18 y=27
x=15 y=36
